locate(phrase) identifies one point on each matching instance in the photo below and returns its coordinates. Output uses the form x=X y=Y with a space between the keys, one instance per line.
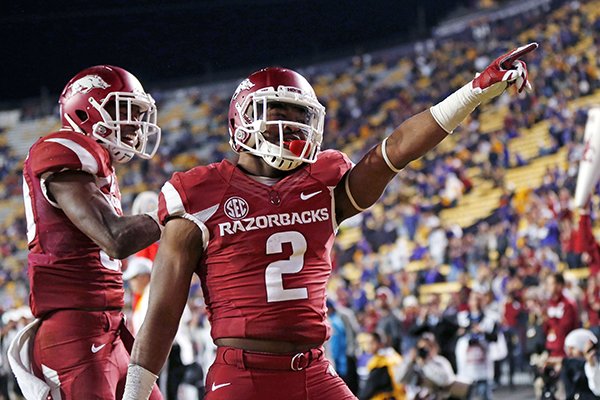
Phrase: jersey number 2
x=275 y=270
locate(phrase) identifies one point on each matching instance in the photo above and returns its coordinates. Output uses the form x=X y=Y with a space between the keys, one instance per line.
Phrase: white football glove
x=504 y=71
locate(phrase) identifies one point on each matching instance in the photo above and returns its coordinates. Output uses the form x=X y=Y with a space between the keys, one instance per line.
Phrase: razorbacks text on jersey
x=66 y=268
x=267 y=248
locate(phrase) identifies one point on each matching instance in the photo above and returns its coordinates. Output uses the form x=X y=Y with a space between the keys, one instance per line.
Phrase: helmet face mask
x=110 y=105
x=128 y=125
x=284 y=139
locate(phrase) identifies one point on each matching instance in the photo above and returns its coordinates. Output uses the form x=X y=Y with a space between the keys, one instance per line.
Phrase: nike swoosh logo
x=308 y=196
x=96 y=349
x=215 y=387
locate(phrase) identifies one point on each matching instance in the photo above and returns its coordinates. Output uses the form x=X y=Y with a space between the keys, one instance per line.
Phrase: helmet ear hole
x=82 y=115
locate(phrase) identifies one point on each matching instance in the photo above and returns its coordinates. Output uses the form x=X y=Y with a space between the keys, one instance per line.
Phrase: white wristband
x=139 y=383
x=454 y=109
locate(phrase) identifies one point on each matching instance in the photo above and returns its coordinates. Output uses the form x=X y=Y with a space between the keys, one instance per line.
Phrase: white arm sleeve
x=439 y=371
x=593 y=376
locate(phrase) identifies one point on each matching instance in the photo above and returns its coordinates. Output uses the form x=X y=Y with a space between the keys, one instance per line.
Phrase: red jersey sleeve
x=67 y=151
x=331 y=166
x=173 y=200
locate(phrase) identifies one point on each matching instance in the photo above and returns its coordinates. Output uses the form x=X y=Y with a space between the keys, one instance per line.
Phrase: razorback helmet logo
x=87 y=83
x=245 y=85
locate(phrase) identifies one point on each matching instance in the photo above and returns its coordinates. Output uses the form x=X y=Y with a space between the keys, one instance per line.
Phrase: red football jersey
x=66 y=268
x=267 y=248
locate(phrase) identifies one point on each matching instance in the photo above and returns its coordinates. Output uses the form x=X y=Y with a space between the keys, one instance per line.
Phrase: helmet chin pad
x=119 y=155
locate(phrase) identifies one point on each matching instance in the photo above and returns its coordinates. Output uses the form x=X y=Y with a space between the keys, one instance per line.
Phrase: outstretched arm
x=178 y=255
x=364 y=184
x=89 y=210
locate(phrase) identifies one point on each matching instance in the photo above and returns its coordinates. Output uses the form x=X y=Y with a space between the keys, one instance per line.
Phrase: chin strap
x=75 y=127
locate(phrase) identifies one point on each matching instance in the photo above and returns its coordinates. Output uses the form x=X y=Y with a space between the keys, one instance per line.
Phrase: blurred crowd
x=504 y=281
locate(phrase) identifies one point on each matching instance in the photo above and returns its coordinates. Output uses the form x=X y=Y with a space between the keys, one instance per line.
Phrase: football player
x=259 y=234
x=77 y=235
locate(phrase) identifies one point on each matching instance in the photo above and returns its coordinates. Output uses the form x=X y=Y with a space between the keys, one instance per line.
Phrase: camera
x=550 y=379
x=422 y=352
x=475 y=339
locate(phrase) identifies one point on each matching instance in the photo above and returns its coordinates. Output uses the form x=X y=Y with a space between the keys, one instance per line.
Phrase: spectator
x=137 y=275
x=592 y=366
x=473 y=356
x=591 y=304
x=514 y=325
x=382 y=382
x=442 y=323
x=574 y=368
x=408 y=319
x=389 y=320
x=587 y=245
x=337 y=343
x=426 y=374
x=561 y=316
x=352 y=329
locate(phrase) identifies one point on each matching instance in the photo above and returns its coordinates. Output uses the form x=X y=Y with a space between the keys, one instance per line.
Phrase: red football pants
x=80 y=354
x=237 y=375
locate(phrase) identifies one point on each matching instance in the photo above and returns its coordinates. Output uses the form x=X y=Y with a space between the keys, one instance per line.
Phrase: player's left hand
x=504 y=71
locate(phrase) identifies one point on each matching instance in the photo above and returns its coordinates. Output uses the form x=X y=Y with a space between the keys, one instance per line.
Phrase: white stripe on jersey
x=205 y=215
x=175 y=208
x=31 y=228
x=52 y=379
x=87 y=160
x=172 y=199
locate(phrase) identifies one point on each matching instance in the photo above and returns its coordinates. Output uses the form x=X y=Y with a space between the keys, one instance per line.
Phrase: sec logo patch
x=236 y=208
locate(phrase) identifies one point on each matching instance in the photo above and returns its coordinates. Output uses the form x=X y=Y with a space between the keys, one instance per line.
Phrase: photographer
x=547 y=383
x=473 y=359
x=426 y=374
x=580 y=347
x=592 y=366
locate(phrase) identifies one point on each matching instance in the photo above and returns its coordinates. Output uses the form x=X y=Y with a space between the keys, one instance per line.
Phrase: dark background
x=44 y=43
